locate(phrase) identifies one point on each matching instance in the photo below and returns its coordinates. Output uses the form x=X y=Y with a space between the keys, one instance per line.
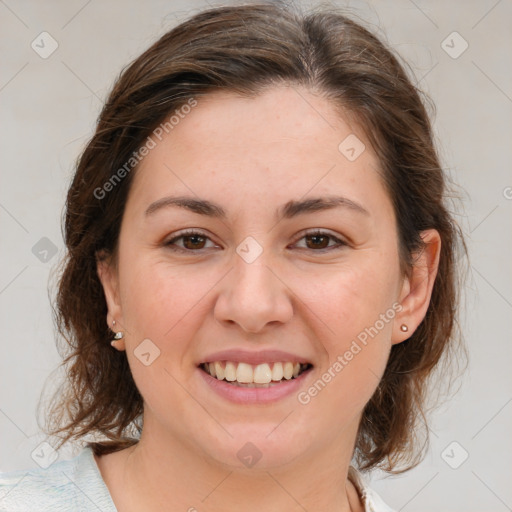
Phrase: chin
x=256 y=448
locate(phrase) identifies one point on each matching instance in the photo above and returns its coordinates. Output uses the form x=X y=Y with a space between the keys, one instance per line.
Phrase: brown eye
x=191 y=241
x=319 y=241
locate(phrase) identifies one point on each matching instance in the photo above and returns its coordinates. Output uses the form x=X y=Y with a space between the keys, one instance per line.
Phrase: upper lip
x=262 y=356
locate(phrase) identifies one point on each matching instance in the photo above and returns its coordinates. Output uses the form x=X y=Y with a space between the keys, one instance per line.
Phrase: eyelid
x=185 y=233
x=339 y=242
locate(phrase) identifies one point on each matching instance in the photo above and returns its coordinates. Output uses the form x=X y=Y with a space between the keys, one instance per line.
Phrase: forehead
x=284 y=143
x=224 y=120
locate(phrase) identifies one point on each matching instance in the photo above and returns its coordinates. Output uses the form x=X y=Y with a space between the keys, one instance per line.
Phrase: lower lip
x=243 y=395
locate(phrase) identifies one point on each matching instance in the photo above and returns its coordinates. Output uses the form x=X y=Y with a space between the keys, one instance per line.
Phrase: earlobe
x=107 y=275
x=417 y=287
x=117 y=338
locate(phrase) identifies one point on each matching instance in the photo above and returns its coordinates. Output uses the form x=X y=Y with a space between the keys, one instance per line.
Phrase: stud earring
x=404 y=328
x=117 y=336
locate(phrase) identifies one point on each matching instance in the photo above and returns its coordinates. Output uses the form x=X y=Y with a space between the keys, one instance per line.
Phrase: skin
x=251 y=156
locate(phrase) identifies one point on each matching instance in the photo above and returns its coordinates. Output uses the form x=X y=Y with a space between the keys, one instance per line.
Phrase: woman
x=259 y=224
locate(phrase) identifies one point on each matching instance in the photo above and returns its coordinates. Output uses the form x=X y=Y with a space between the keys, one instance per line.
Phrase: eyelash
x=317 y=232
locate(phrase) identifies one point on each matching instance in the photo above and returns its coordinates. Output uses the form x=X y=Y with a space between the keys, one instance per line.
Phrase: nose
x=253 y=295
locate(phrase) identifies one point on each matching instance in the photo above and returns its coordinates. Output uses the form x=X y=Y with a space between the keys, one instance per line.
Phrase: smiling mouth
x=254 y=376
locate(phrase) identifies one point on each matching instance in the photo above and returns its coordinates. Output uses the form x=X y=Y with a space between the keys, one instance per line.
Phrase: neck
x=167 y=474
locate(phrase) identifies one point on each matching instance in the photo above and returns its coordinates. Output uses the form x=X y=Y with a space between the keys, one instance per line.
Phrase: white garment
x=77 y=485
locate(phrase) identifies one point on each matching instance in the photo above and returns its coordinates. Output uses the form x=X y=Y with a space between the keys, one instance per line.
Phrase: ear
x=107 y=273
x=417 y=287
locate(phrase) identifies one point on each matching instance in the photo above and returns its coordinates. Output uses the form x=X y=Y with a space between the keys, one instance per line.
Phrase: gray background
x=49 y=107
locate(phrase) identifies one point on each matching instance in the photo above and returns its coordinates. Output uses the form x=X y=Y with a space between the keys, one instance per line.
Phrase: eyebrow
x=289 y=210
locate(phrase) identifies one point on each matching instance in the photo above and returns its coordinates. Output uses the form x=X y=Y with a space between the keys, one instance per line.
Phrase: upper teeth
x=258 y=374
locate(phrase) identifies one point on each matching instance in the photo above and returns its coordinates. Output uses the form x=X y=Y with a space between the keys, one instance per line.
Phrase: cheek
x=162 y=304
x=350 y=300
x=355 y=305
x=342 y=391
x=159 y=299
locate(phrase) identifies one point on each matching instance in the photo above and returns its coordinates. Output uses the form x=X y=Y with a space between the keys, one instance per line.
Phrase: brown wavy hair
x=245 y=49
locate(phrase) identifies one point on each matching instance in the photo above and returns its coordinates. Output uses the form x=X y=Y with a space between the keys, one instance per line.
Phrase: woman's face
x=255 y=284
